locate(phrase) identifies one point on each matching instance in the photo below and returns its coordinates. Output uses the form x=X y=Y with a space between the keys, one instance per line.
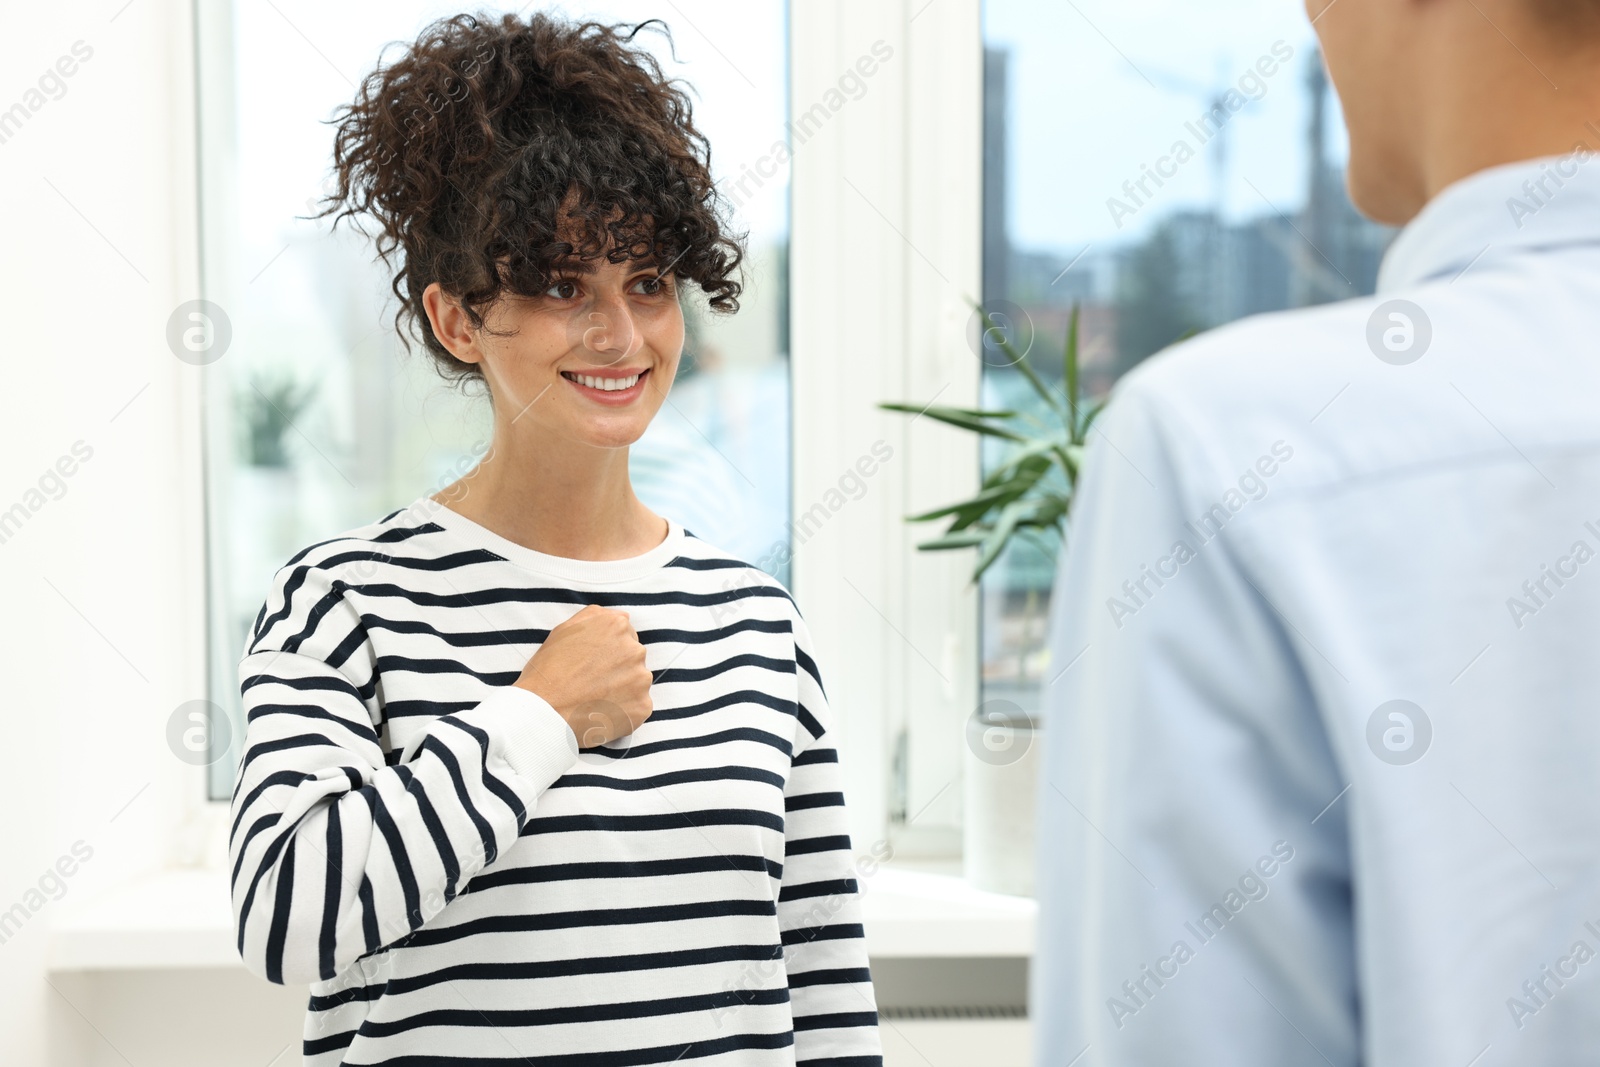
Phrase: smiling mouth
x=608 y=387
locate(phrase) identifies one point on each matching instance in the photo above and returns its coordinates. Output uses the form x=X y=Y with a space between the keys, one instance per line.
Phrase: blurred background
x=222 y=370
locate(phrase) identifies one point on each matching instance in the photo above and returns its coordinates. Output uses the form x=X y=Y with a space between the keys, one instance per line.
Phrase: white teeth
x=606 y=384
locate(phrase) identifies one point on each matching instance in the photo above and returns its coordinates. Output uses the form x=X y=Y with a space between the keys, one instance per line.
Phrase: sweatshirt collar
x=582 y=571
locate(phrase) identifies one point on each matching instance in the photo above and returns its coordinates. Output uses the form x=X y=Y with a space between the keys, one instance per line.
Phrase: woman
x=630 y=846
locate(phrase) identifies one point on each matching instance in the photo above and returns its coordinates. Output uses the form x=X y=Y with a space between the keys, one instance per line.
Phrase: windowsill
x=183 y=919
x=925 y=910
x=174 y=919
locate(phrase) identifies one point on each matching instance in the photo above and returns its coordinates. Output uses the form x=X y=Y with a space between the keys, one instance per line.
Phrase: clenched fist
x=591 y=670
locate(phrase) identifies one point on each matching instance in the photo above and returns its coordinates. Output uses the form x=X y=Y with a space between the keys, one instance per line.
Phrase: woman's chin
x=617 y=431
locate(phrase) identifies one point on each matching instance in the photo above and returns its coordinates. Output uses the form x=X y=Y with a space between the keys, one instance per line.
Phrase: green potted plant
x=1028 y=493
x=270 y=407
x=266 y=488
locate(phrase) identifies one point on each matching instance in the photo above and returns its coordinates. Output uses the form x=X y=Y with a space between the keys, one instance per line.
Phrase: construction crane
x=1214 y=99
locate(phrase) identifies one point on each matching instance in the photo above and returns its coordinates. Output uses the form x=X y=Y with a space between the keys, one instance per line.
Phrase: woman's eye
x=651 y=285
x=563 y=290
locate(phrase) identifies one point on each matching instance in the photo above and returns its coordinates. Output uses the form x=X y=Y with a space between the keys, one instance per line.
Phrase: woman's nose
x=608 y=331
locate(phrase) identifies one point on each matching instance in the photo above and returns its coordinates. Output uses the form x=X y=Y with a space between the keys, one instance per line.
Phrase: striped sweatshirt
x=427 y=846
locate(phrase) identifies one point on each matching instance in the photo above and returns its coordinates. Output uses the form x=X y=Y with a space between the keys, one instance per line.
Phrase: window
x=317 y=420
x=1166 y=172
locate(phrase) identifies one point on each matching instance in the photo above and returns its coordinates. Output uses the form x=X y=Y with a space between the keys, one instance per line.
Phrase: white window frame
x=885 y=255
x=884 y=259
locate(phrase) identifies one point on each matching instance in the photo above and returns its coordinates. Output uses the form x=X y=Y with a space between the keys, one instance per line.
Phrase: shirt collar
x=1498 y=211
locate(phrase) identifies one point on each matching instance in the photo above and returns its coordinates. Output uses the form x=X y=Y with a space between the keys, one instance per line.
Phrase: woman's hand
x=591 y=670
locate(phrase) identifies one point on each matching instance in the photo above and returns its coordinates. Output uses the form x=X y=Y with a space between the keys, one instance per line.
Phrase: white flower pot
x=1002 y=771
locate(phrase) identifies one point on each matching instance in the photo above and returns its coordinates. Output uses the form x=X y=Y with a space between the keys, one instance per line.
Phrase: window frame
x=896 y=628
x=896 y=178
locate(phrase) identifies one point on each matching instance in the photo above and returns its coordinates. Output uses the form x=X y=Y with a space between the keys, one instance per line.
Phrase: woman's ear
x=450 y=324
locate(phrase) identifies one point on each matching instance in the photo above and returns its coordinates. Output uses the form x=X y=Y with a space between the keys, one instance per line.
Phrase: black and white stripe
x=425 y=845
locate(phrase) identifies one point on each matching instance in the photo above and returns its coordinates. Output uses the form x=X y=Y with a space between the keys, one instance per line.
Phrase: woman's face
x=589 y=360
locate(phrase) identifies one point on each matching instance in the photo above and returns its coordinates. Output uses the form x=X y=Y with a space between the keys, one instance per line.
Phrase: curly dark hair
x=487 y=142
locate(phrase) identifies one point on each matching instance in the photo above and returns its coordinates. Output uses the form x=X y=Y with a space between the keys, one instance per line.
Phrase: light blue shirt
x=1321 y=768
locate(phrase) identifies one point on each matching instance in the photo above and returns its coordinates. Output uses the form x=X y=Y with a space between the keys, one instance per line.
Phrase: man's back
x=1321 y=787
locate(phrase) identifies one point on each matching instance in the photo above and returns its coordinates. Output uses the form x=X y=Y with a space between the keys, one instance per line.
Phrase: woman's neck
x=568 y=499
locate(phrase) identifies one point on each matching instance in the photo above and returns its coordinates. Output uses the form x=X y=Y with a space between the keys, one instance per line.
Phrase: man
x=1322 y=766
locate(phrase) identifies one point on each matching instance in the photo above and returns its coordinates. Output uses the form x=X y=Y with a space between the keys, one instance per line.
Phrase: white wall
x=101 y=625
x=174 y=1018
